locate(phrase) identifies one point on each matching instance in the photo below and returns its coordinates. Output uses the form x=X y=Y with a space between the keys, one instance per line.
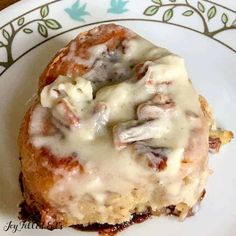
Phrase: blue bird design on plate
x=118 y=6
x=77 y=12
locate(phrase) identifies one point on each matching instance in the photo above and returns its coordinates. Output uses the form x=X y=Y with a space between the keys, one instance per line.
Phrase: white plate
x=205 y=36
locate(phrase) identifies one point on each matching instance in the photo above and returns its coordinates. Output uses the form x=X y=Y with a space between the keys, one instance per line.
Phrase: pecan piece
x=147 y=111
x=140 y=70
x=129 y=132
x=48 y=127
x=154 y=156
x=157 y=161
x=150 y=111
x=218 y=138
x=118 y=130
x=64 y=114
x=214 y=144
x=161 y=98
x=158 y=106
x=224 y=135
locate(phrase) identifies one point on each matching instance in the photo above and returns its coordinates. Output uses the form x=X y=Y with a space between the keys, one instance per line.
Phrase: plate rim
x=145 y=17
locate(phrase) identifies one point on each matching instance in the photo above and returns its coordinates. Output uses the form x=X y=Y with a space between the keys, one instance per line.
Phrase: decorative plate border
x=206 y=15
x=215 y=19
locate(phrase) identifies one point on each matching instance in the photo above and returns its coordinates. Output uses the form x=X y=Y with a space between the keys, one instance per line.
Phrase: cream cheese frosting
x=122 y=131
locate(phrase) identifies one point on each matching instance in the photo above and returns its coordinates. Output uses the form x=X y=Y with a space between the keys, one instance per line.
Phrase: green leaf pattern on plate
x=42 y=30
x=6 y=35
x=211 y=12
x=188 y=13
x=206 y=12
x=44 y=11
x=200 y=7
x=21 y=25
x=224 y=18
x=27 y=31
x=21 y=21
x=158 y=2
x=168 y=14
x=52 y=24
x=150 y=11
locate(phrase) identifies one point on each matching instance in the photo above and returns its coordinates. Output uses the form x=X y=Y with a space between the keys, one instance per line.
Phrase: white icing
x=78 y=90
x=106 y=168
x=38 y=118
x=94 y=52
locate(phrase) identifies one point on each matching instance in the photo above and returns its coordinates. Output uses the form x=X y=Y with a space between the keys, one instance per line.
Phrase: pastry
x=117 y=130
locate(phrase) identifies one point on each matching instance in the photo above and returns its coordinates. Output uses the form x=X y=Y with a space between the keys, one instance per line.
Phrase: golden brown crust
x=206 y=111
x=37 y=171
x=39 y=165
x=110 y=34
x=217 y=137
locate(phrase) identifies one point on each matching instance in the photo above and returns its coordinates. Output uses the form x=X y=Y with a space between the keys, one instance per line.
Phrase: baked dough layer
x=134 y=138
